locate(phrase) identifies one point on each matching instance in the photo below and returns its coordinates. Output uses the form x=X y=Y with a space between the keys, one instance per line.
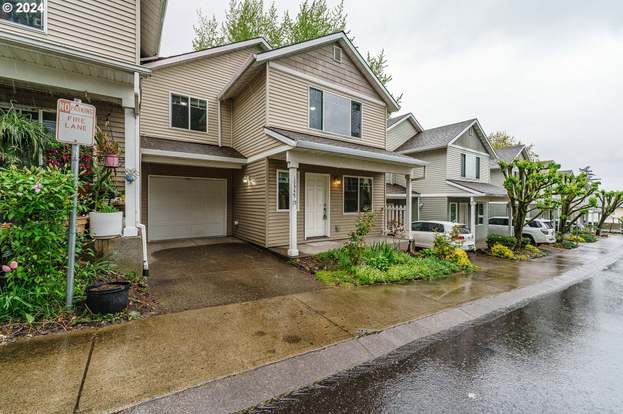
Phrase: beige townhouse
x=274 y=146
x=457 y=185
x=82 y=49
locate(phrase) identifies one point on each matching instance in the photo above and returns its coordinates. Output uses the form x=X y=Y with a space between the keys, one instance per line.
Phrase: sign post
x=75 y=125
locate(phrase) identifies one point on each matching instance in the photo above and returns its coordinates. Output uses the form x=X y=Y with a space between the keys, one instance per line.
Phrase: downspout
x=218 y=115
x=139 y=225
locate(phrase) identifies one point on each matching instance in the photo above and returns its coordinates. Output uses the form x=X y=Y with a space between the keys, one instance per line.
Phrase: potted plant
x=107 y=148
x=106 y=221
x=108 y=297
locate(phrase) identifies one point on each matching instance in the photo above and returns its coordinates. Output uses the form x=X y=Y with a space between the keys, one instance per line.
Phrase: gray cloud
x=548 y=72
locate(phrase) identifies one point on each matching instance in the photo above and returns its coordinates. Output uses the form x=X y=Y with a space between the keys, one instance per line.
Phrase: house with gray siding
x=506 y=154
x=457 y=184
x=276 y=147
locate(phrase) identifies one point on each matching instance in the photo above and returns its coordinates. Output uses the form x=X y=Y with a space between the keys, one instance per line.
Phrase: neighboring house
x=456 y=186
x=399 y=129
x=506 y=154
x=276 y=147
x=89 y=50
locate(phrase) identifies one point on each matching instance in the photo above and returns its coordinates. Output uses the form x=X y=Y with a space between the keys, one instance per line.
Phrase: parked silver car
x=424 y=232
x=538 y=231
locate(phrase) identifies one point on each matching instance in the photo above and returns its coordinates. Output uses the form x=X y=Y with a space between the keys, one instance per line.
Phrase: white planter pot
x=105 y=225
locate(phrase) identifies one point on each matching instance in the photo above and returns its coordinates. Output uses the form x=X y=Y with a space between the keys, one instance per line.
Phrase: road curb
x=250 y=388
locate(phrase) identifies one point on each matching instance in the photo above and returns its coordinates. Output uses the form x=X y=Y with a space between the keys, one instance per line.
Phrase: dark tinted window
x=315 y=108
x=179 y=111
x=419 y=226
x=534 y=224
x=198 y=115
x=462 y=229
x=365 y=194
x=28 y=13
x=463 y=166
x=351 y=191
x=355 y=119
x=438 y=228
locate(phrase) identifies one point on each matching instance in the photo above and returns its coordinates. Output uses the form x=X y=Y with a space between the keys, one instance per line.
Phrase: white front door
x=316 y=205
x=185 y=207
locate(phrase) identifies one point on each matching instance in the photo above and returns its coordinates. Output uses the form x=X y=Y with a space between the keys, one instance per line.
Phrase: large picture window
x=357 y=194
x=334 y=113
x=31 y=13
x=189 y=113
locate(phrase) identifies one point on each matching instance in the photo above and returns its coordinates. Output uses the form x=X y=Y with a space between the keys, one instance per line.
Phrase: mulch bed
x=141 y=304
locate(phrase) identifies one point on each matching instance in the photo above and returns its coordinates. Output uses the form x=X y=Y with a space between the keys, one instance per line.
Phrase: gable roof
x=340 y=37
x=397 y=120
x=161 y=62
x=507 y=154
x=441 y=137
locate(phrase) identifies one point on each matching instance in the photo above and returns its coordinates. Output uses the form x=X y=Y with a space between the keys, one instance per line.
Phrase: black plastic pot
x=112 y=299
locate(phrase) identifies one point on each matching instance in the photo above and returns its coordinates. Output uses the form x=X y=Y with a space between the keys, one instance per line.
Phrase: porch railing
x=395 y=216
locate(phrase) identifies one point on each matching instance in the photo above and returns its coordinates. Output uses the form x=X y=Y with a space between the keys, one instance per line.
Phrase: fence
x=395 y=216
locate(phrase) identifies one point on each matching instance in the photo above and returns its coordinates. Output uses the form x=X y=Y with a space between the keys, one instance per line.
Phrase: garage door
x=184 y=207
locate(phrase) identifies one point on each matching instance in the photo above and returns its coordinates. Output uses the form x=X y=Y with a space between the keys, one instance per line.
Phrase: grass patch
x=382 y=263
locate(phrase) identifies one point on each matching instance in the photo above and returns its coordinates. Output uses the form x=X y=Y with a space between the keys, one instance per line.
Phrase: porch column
x=293 y=167
x=409 y=202
x=132 y=195
x=472 y=218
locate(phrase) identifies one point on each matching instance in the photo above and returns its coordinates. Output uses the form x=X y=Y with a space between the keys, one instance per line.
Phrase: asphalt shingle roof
x=299 y=136
x=485 y=188
x=435 y=137
x=189 y=147
x=396 y=119
x=506 y=154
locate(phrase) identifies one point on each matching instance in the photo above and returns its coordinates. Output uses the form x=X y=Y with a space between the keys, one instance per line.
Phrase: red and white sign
x=75 y=122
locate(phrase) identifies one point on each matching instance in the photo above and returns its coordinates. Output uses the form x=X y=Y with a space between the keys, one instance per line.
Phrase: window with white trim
x=470 y=166
x=283 y=190
x=357 y=193
x=334 y=113
x=189 y=113
x=454 y=212
x=480 y=213
x=337 y=54
x=31 y=13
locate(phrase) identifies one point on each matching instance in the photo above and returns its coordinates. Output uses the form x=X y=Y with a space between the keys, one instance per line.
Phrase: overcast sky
x=548 y=72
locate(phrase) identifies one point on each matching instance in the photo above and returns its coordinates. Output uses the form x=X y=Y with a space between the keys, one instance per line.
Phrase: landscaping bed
x=505 y=247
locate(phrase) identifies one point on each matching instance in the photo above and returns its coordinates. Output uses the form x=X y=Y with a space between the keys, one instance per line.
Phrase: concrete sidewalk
x=120 y=366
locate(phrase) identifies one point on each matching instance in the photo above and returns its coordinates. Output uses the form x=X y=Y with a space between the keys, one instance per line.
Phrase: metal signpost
x=75 y=125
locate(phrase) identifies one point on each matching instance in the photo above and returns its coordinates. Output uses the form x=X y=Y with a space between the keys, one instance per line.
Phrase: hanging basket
x=111 y=160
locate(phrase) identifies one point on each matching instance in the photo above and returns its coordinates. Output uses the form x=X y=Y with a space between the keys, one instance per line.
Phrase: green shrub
x=500 y=250
x=568 y=244
x=588 y=237
x=36 y=202
x=507 y=241
x=356 y=244
x=532 y=249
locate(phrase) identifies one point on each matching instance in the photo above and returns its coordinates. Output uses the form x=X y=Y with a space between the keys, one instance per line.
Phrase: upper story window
x=189 y=113
x=470 y=166
x=334 y=113
x=30 y=13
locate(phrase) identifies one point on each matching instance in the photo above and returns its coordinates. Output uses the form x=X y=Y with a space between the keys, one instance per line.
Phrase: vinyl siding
x=398 y=179
x=288 y=109
x=471 y=141
x=435 y=178
x=249 y=202
x=201 y=78
x=434 y=208
x=454 y=165
x=148 y=169
x=249 y=115
x=400 y=134
x=341 y=224
x=107 y=28
x=319 y=63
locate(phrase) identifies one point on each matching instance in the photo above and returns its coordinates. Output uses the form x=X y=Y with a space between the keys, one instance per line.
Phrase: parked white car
x=538 y=231
x=424 y=232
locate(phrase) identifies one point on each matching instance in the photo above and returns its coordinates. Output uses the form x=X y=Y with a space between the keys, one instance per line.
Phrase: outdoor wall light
x=248 y=180
x=337 y=181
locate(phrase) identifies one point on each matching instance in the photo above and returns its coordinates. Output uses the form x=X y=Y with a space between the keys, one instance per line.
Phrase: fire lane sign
x=75 y=122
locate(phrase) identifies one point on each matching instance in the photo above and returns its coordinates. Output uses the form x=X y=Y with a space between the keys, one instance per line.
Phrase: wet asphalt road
x=560 y=354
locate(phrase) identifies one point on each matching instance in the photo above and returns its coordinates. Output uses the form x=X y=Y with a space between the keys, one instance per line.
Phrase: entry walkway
x=119 y=366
